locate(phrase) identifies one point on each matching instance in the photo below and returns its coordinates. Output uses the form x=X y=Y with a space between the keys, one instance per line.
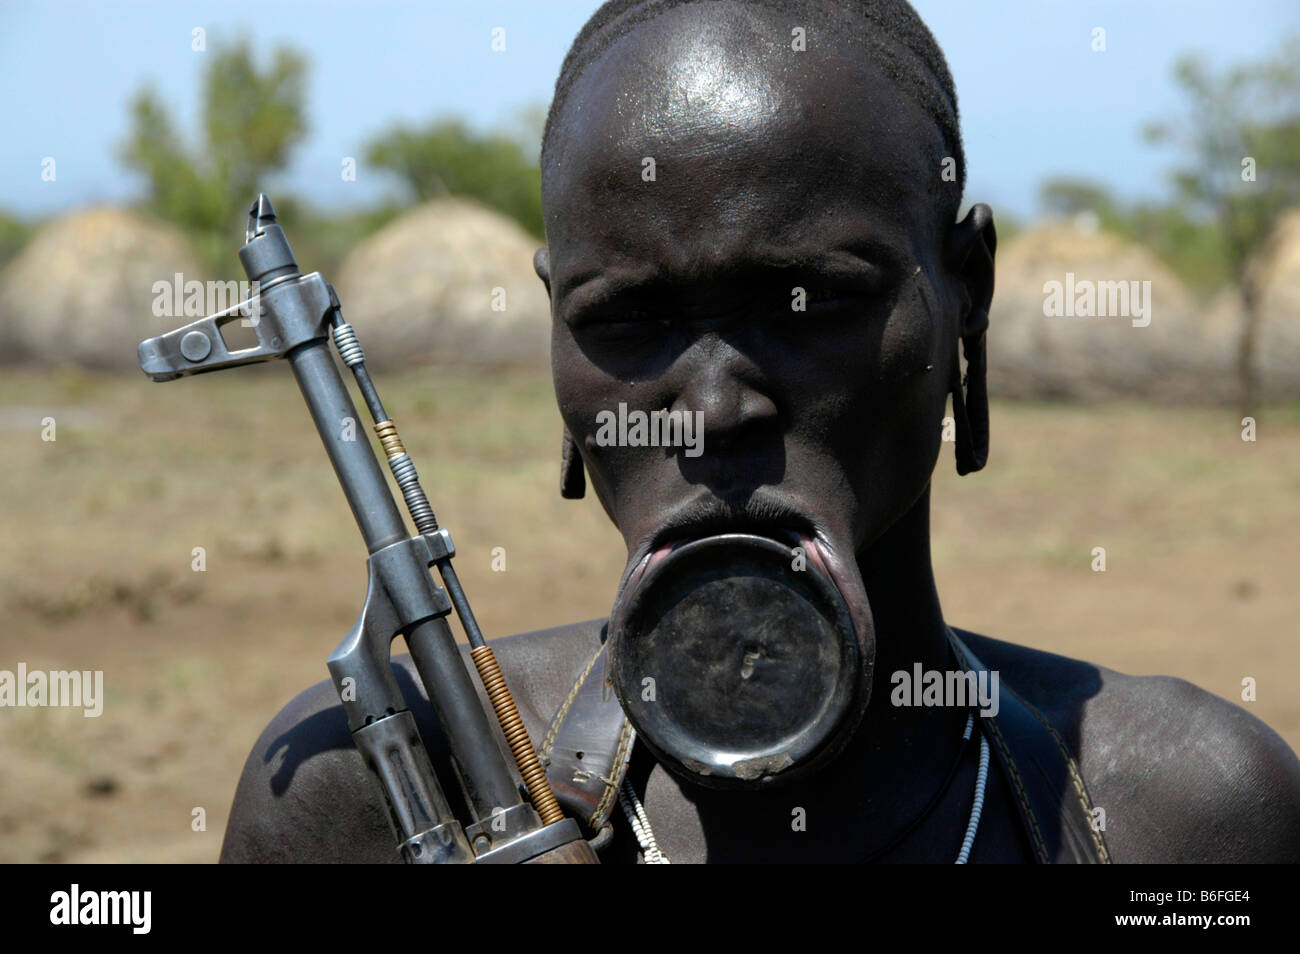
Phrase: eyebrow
x=862 y=260
x=855 y=252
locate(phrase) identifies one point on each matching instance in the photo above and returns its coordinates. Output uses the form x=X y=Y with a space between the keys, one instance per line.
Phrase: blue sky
x=1035 y=99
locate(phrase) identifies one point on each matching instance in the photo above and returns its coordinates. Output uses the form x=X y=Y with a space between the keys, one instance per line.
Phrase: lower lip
x=809 y=546
x=649 y=560
x=813 y=548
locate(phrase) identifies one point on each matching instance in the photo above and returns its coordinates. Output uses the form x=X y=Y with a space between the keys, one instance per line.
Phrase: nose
x=717 y=378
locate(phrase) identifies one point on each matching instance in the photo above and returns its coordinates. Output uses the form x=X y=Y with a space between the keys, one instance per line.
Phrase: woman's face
x=700 y=173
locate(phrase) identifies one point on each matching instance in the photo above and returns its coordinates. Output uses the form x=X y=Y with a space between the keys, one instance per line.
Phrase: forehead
x=758 y=150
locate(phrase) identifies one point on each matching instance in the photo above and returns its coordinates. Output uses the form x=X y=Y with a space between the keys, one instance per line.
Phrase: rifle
x=296 y=316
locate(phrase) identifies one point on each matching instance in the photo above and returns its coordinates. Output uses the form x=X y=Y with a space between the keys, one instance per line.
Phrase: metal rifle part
x=293 y=313
x=417 y=504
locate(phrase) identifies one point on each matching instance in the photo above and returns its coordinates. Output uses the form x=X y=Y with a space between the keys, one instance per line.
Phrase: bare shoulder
x=305 y=795
x=1182 y=775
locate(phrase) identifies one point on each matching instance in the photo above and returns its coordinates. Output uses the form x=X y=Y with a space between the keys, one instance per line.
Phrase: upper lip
x=706 y=518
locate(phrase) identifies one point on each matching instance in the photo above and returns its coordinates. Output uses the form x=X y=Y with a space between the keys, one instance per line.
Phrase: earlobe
x=971 y=248
x=542 y=266
x=970 y=405
x=573 y=480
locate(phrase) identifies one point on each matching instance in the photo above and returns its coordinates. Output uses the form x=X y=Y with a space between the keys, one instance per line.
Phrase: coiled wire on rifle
x=345 y=339
x=417 y=502
x=399 y=462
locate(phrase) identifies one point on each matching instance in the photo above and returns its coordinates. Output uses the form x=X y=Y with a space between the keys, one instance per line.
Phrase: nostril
x=743 y=418
x=723 y=389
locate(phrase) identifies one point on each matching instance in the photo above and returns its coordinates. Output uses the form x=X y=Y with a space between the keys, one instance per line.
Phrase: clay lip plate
x=757 y=686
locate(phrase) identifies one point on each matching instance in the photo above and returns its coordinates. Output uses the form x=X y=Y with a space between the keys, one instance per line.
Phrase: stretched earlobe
x=972 y=245
x=573 y=481
x=971 y=409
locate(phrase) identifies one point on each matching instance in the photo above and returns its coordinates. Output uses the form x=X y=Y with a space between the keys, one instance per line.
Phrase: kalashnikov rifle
x=296 y=315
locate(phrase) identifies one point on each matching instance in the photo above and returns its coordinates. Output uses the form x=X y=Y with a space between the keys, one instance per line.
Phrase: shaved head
x=887 y=31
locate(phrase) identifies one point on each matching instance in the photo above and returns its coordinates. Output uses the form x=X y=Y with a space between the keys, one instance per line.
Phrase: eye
x=629 y=319
x=824 y=298
x=626 y=327
x=635 y=316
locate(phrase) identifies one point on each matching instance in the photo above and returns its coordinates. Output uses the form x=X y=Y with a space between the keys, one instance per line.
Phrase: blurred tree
x=251 y=121
x=13 y=236
x=446 y=157
x=1008 y=226
x=1192 y=247
x=527 y=126
x=1188 y=243
x=1069 y=197
x=1241 y=141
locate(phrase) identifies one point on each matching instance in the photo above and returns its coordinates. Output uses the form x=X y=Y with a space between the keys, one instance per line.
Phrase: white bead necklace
x=653 y=855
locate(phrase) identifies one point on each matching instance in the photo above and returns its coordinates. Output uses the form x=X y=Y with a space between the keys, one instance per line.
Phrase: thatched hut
x=83 y=290
x=452 y=283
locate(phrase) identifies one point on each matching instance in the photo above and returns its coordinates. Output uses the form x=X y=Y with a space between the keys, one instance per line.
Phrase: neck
x=901 y=755
x=902 y=748
x=899 y=580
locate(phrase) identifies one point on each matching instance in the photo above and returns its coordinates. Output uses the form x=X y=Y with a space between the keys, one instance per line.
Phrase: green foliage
x=1067 y=197
x=13 y=236
x=252 y=119
x=1242 y=147
x=1192 y=247
x=1251 y=112
x=1008 y=227
x=1219 y=216
x=448 y=158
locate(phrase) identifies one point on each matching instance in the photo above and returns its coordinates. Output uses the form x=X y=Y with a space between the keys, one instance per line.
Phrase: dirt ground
x=100 y=526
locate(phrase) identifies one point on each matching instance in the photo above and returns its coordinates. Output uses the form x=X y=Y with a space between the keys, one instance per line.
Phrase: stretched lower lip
x=647 y=561
x=819 y=554
x=812 y=547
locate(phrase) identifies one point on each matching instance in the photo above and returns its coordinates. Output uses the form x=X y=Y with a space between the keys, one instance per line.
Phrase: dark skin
x=773 y=171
